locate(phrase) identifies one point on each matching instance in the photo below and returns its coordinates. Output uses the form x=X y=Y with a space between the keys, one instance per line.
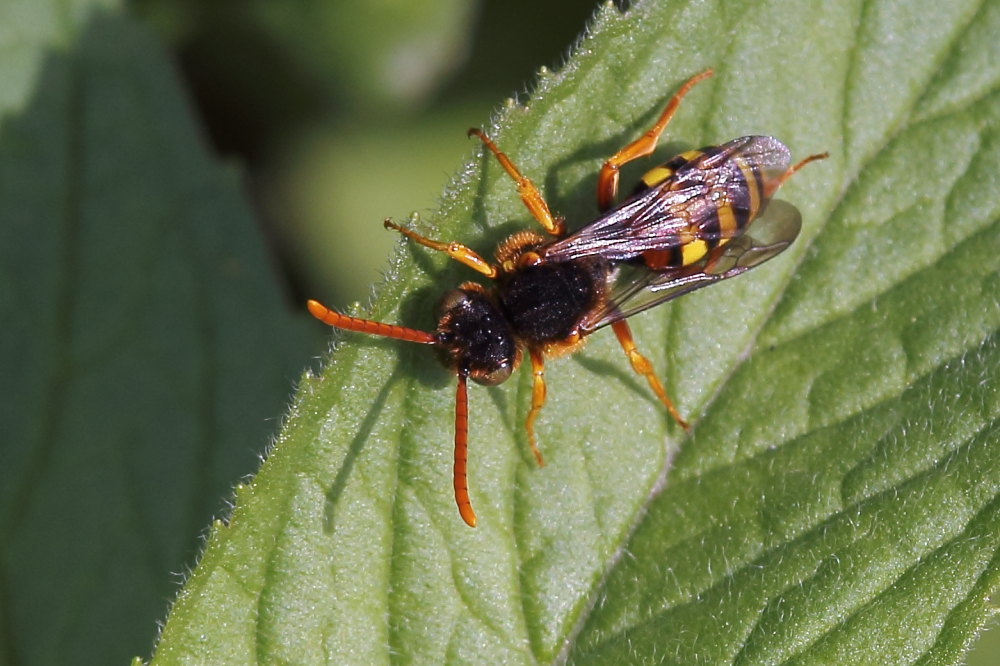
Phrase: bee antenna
x=331 y=318
x=462 y=452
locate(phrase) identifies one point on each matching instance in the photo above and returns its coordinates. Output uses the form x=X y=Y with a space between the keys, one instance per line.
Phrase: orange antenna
x=462 y=452
x=331 y=318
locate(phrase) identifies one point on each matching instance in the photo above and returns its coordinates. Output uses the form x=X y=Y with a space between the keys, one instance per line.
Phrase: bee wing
x=636 y=288
x=678 y=209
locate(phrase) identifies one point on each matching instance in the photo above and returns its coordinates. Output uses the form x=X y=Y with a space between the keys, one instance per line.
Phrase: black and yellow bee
x=685 y=227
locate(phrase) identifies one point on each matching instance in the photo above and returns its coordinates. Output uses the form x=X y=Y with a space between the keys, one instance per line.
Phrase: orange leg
x=607 y=181
x=529 y=194
x=773 y=186
x=456 y=251
x=462 y=453
x=331 y=318
x=642 y=366
x=537 y=400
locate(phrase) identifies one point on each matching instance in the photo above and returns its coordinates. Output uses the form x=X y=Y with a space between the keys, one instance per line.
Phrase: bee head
x=474 y=337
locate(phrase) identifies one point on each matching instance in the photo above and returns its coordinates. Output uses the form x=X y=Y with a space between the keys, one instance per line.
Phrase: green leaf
x=838 y=499
x=144 y=342
x=28 y=29
x=417 y=43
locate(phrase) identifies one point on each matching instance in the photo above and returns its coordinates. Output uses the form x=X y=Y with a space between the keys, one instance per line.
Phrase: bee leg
x=537 y=400
x=462 y=453
x=773 y=186
x=643 y=367
x=456 y=251
x=529 y=194
x=607 y=181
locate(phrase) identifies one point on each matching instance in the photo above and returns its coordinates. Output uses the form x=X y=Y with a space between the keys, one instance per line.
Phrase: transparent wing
x=636 y=288
x=678 y=209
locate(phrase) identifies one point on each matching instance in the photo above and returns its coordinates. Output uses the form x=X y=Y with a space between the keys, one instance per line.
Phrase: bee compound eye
x=452 y=300
x=493 y=374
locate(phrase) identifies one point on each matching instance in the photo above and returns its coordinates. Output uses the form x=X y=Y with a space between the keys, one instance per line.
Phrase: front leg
x=537 y=400
x=457 y=251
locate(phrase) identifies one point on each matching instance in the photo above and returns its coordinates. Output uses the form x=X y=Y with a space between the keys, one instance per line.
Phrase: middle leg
x=642 y=366
x=529 y=194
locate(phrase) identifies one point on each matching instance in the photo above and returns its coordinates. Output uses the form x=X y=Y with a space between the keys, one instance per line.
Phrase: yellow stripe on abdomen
x=752 y=185
x=656 y=175
x=727 y=221
x=693 y=251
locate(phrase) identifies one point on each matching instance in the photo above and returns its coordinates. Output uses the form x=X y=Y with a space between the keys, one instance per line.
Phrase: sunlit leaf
x=837 y=501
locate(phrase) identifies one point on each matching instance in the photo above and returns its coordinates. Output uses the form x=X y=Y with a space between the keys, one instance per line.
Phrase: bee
x=704 y=216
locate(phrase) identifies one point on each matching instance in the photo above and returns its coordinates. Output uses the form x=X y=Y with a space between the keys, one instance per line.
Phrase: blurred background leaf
x=147 y=352
x=149 y=344
x=336 y=134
